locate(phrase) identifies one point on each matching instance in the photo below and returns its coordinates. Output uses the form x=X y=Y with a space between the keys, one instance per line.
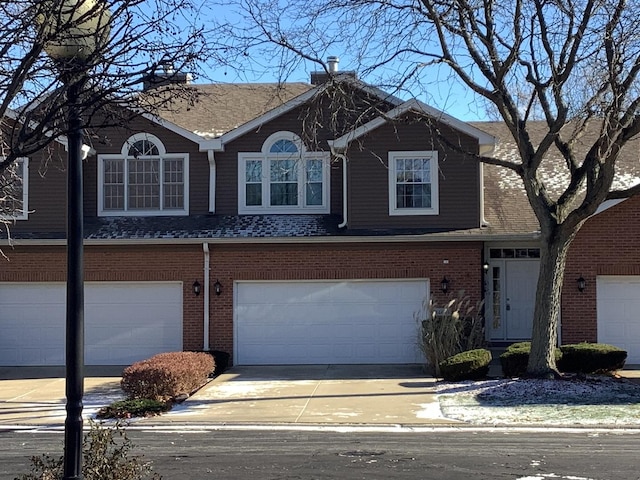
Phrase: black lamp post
x=74 y=30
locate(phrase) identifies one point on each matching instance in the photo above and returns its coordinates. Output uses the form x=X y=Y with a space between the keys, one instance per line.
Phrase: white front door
x=511 y=294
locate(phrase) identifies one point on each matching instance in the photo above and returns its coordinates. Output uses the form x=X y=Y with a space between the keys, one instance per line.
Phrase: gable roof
x=485 y=140
x=506 y=206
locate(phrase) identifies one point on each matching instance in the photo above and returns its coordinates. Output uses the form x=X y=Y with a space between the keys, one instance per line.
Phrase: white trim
x=487 y=142
x=394 y=210
x=254 y=124
x=212 y=180
x=126 y=146
x=24 y=215
x=161 y=157
x=265 y=157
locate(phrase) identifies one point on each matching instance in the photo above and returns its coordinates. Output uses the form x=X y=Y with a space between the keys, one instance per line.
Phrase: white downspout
x=343 y=157
x=212 y=181
x=205 y=249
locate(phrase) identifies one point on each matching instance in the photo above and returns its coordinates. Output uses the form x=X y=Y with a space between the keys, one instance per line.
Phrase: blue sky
x=442 y=91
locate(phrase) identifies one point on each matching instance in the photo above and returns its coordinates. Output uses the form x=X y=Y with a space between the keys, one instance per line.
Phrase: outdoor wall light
x=196 y=288
x=582 y=283
x=444 y=285
x=217 y=287
x=485 y=267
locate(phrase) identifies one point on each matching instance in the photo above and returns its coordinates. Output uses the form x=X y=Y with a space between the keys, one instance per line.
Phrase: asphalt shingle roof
x=507 y=209
x=221 y=107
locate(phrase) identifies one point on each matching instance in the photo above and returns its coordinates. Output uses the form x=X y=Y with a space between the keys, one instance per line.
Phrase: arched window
x=283 y=178
x=143 y=180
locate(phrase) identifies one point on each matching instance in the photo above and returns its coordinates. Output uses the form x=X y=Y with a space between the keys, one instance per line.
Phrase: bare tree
x=148 y=41
x=573 y=63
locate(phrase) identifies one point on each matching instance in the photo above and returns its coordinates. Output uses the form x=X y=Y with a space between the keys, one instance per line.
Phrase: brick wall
x=328 y=262
x=459 y=262
x=607 y=244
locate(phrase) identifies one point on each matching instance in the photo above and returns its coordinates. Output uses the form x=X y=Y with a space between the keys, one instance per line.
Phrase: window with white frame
x=283 y=178
x=413 y=183
x=143 y=179
x=14 y=190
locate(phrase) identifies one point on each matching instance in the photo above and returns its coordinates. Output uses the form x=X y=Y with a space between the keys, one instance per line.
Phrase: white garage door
x=346 y=322
x=124 y=322
x=619 y=314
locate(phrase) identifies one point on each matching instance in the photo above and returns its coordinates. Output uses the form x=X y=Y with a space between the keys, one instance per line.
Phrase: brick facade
x=607 y=244
x=459 y=262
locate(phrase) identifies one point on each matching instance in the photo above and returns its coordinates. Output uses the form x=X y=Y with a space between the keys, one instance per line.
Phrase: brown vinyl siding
x=47 y=202
x=227 y=161
x=173 y=143
x=458 y=179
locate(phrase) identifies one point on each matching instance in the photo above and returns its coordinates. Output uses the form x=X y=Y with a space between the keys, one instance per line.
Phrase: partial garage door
x=346 y=322
x=619 y=313
x=124 y=322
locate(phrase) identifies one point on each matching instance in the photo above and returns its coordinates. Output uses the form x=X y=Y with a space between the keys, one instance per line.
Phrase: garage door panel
x=124 y=322
x=327 y=322
x=618 y=299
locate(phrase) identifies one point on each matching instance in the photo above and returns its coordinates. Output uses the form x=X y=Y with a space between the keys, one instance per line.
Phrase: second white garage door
x=345 y=322
x=124 y=322
x=619 y=313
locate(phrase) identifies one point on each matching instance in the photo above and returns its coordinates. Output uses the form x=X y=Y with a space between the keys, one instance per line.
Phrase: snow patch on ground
x=597 y=400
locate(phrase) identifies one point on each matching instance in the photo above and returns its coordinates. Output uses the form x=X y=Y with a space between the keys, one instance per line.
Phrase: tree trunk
x=544 y=339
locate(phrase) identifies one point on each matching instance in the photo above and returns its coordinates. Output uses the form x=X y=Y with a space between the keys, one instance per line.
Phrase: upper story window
x=14 y=191
x=143 y=180
x=413 y=183
x=283 y=178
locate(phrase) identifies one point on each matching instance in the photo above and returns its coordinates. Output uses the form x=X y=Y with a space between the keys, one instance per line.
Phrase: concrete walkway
x=282 y=395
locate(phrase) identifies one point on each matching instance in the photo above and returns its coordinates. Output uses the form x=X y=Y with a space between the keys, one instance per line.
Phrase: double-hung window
x=143 y=180
x=14 y=191
x=413 y=183
x=283 y=178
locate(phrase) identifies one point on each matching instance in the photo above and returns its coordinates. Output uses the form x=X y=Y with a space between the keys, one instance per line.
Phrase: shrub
x=167 y=375
x=139 y=407
x=107 y=455
x=221 y=360
x=591 y=358
x=515 y=358
x=469 y=365
x=448 y=330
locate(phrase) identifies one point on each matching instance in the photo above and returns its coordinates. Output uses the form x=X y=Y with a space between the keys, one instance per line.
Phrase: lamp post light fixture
x=74 y=31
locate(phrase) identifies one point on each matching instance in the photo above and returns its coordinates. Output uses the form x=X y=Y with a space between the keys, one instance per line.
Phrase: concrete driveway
x=310 y=394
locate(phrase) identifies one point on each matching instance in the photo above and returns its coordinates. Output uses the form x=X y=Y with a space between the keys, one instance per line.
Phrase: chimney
x=168 y=76
x=332 y=63
x=318 y=78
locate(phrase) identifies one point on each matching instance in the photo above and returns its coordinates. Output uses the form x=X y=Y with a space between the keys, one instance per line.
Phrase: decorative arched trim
x=142 y=137
x=280 y=138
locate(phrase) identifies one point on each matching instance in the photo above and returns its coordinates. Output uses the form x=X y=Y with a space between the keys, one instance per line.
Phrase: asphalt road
x=300 y=455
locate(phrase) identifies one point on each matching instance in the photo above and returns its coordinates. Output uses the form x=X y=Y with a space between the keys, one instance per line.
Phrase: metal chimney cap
x=332 y=64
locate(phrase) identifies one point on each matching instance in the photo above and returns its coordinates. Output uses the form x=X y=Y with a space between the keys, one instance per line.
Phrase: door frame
x=488 y=285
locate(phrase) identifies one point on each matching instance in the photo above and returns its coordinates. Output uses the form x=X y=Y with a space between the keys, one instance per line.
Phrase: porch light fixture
x=196 y=288
x=485 y=267
x=444 y=285
x=582 y=283
x=217 y=287
x=74 y=31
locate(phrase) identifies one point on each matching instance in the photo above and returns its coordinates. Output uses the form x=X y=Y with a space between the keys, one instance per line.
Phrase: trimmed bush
x=167 y=375
x=221 y=360
x=591 y=358
x=515 y=358
x=469 y=365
